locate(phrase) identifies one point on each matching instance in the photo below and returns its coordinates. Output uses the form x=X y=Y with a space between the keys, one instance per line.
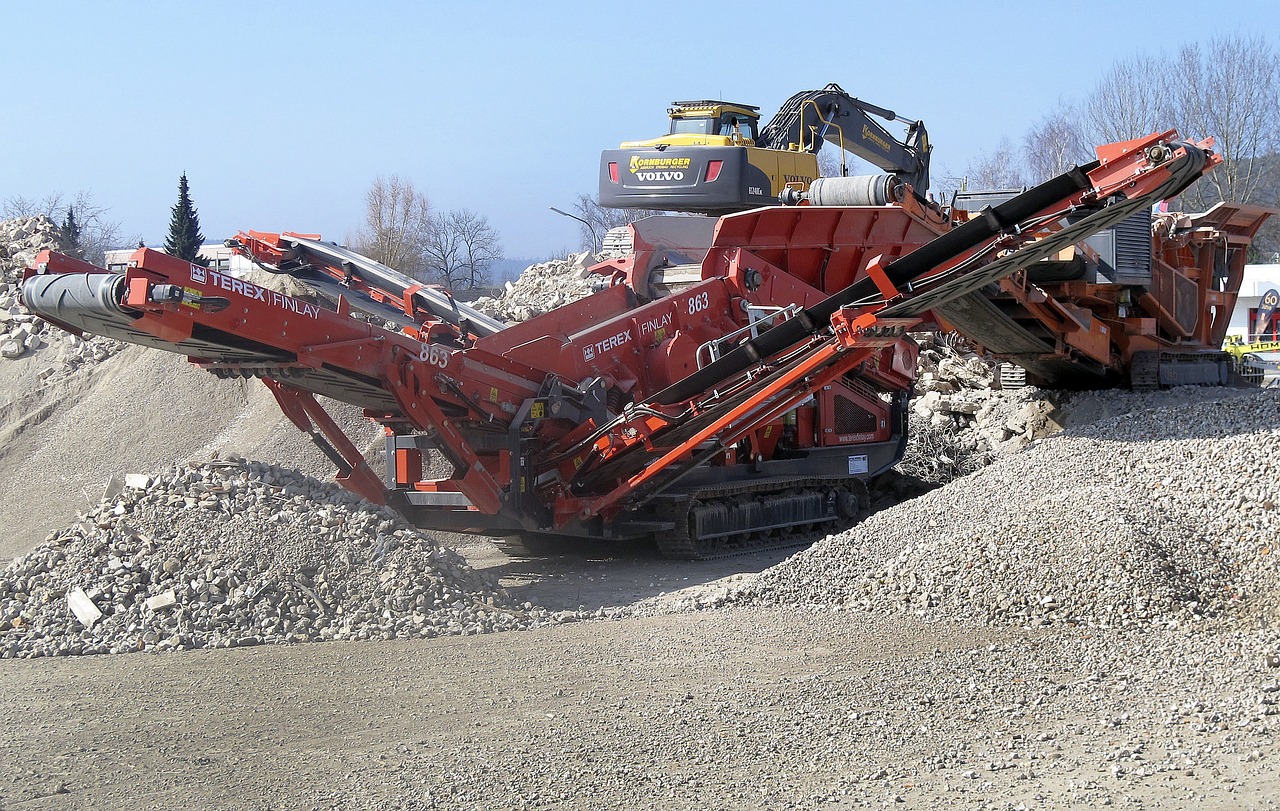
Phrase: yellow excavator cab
x=707 y=123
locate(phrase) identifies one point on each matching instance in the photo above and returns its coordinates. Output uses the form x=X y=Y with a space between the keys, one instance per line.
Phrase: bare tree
x=397 y=224
x=443 y=255
x=834 y=162
x=829 y=162
x=97 y=234
x=1133 y=99
x=479 y=246
x=1055 y=145
x=999 y=170
x=1231 y=91
x=598 y=219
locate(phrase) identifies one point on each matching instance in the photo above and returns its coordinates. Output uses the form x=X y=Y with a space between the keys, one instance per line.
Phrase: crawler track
x=744 y=518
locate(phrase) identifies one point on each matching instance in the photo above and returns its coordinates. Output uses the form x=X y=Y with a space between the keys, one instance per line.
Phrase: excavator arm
x=810 y=118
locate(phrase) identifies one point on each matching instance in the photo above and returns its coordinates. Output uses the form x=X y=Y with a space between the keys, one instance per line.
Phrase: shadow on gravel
x=572 y=574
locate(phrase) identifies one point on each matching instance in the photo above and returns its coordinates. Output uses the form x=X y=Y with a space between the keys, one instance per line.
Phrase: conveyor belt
x=88 y=303
x=975 y=316
x=378 y=274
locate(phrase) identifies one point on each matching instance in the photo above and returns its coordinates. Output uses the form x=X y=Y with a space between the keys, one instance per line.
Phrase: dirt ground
x=727 y=708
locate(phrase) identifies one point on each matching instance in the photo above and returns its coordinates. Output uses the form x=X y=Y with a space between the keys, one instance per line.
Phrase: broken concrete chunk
x=82 y=607
x=112 y=487
x=163 y=600
x=137 y=481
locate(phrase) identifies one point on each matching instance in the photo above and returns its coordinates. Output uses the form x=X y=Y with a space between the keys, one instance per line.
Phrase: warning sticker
x=857 y=464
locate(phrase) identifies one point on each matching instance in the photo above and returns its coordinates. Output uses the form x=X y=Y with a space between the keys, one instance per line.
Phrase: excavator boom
x=810 y=118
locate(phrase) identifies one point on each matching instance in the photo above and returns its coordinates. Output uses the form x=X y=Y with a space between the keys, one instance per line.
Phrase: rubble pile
x=234 y=553
x=960 y=420
x=21 y=333
x=1152 y=518
x=542 y=288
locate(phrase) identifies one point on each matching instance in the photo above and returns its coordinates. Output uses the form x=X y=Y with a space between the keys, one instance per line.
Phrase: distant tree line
x=455 y=248
x=1227 y=88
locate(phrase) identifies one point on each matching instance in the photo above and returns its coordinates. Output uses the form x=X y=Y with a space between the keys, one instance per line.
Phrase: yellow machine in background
x=716 y=159
x=1258 y=362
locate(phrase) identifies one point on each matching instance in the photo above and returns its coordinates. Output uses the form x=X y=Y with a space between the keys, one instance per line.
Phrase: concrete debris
x=24 y=335
x=961 y=421
x=1152 y=518
x=165 y=599
x=232 y=553
x=83 y=607
x=542 y=288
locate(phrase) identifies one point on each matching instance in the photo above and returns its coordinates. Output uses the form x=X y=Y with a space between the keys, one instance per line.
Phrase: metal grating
x=1133 y=249
x=851 y=418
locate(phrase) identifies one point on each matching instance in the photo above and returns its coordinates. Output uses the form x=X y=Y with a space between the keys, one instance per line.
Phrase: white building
x=1258 y=279
x=220 y=258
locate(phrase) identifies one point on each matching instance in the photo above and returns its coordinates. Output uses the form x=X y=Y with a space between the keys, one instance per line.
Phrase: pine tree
x=69 y=234
x=185 y=239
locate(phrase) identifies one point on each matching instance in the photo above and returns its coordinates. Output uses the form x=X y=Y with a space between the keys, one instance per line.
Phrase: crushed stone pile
x=23 y=334
x=541 y=288
x=234 y=553
x=961 y=420
x=1155 y=517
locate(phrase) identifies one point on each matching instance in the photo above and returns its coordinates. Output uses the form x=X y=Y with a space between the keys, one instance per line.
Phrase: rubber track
x=677 y=543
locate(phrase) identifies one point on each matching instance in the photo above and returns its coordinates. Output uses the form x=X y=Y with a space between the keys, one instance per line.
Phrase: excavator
x=742 y=405
x=717 y=159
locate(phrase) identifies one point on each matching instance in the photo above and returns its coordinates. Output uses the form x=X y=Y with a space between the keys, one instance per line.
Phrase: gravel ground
x=1089 y=621
x=742 y=708
x=895 y=703
x=62 y=442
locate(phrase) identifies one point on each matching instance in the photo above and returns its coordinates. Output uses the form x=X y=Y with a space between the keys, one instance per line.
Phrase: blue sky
x=282 y=113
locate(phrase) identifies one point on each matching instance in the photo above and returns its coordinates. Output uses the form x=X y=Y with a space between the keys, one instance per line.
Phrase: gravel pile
x=23 y=334
x=542 y=288
x=1156 y=517
x=237 y=553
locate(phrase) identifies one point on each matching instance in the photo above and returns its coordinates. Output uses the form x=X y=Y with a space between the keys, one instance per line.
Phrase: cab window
x=692 y=126
x=747 y=126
